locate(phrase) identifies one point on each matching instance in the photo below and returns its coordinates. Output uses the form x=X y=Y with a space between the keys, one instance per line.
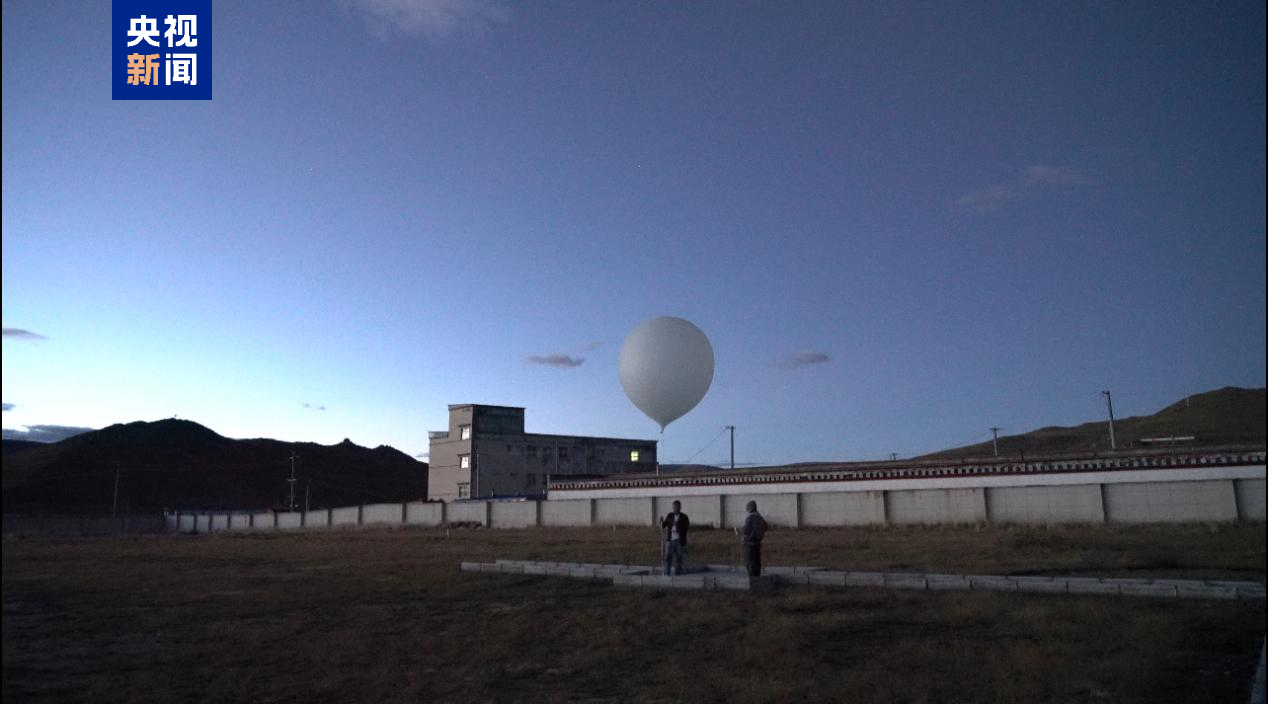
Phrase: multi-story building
x=485 y=452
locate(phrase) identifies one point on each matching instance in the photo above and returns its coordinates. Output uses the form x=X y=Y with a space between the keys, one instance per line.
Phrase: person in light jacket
x=751 y=533
x=674 y=526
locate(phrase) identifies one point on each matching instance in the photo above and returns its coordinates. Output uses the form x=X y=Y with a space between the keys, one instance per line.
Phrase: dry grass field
x=386 y=616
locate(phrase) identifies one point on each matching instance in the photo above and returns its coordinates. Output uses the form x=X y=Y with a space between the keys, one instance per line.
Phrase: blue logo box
x=160 y=50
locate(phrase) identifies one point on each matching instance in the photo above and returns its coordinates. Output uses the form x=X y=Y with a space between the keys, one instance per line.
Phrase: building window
x=464 y=461
x=563 y=453
x=464 y=490
x=532 y=479
x=633 y=455
x=531 y=450
x=464 y=432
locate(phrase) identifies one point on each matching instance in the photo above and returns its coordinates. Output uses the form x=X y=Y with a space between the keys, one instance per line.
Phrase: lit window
x=464 y=432
x=633 y=455
x=464 y=461
x=464 y=491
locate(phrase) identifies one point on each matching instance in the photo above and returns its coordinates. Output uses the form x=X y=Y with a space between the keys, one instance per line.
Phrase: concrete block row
x=729 y=577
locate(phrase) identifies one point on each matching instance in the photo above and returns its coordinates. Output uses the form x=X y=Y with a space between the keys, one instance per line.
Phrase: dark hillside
x=1228 y=416
x=181 y=464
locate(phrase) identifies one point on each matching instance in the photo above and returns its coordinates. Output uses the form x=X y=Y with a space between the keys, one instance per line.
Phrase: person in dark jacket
x=674 y=527
x=751 y=534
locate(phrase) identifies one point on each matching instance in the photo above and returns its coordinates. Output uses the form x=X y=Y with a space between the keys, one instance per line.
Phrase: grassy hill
x=181 y=464
x=1228 y=416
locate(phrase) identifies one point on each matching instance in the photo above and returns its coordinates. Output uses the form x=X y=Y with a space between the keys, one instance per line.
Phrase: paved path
x=726 y=577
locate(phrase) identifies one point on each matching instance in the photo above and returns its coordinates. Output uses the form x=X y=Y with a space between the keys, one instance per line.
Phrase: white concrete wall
x=240 y=521
x=219 y=522
x=262 y=520
x=1117 y=476
x=468 y=512
x=1250 y=499
x=418 y=513
x=513 y=514
x=623 y=512
x=1045 y=504
x=701 y=510
x=345 y=516
x=316 y=519
x=777 y=509
x=843 y=508
x=566 y=513
x=187 y=524
x=936 y=506
x=289 y=519
x=1172 y=502
x=382 y=513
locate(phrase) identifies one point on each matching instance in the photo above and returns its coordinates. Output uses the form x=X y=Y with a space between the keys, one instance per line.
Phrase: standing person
x=674 y=526
x=751 y=533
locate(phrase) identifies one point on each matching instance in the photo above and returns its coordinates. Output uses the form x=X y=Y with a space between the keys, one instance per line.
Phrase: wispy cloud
x=20 y=334
x=424 y=456
x=1057 y=176
x=44 y=433
x=313 y=406
x=804 y=358
x=592 y=345
x=433 y=19
x=1031 y=180
x=8 y=406
x=557 y=360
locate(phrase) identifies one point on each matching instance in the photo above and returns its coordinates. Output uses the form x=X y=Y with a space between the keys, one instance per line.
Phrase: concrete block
x=1152 y=590
x=1256 y=592
x=906 y=581
x=678 y=582
x=1126 y=581
x=471 y=567
x=864 y=579
x=761 y=584
x=581 y=572
x=1095 y=587
x=628 y=580
x=559 y=570
x=490 y=567
x=1043 y=587
x=511 y=569
x=732 y=582
x=993 y=584
x=535 y=569
x=795 y=578
x=832 y=579
x=937 y=583
x=1206 y=592
x=1234 y=585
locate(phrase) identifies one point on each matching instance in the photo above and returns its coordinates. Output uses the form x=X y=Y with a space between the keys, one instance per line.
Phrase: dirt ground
x=385 y=616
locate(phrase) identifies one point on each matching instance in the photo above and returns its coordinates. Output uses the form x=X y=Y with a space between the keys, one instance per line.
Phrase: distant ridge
x=177 y=463
x=1227 y=416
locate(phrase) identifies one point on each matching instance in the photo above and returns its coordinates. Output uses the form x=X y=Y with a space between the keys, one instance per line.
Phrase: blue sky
x=898 y=223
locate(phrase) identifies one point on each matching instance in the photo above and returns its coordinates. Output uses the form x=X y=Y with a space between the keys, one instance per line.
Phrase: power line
x=715 y=439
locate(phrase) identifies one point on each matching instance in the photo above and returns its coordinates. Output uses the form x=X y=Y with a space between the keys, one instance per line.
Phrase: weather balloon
x=666 y=366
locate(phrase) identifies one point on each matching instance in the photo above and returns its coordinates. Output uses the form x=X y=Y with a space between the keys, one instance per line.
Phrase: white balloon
x=666 y=366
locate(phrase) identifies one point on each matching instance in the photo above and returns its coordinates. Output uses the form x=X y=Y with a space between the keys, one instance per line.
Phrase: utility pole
x=893 y=457
x=995 y=439
x=291 y=482
x=1109 y=403
x=114 y=506
x=732 y=429
x=307 y=489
